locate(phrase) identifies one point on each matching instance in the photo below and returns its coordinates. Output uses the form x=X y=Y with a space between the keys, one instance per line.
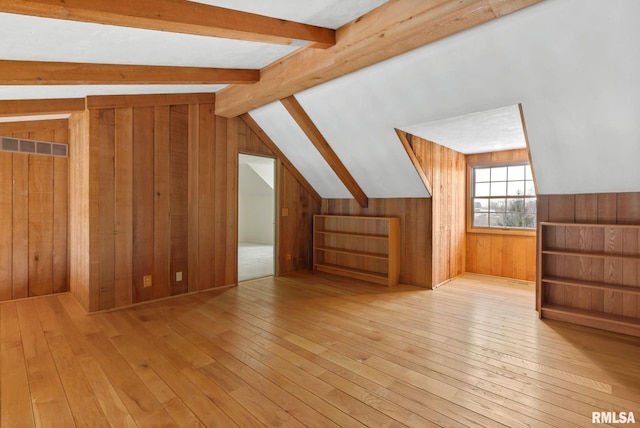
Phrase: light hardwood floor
x=311 y=350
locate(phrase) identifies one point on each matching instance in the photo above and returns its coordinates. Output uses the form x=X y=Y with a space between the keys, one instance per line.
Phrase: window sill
x=497 y=231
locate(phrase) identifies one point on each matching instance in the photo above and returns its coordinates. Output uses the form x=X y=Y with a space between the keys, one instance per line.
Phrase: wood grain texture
x=415 y=231
x=6 y=219
x=312 y=350
x=180 y=17
x=602 y=304
x=72 y=73
x=505 y=255
x=444 y=172
x=396 y=27
x=303 y=120
x=38 y=107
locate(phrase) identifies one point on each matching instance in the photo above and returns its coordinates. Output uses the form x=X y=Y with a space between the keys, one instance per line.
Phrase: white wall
x=256 y=207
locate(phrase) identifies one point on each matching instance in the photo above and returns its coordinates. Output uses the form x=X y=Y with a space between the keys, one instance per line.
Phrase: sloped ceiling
x=573 y=66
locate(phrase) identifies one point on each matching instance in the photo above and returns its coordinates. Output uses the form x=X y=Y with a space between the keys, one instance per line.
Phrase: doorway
x=256 y=216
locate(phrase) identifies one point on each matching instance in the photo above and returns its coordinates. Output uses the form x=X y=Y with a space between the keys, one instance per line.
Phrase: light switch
x=178 y=276
x=285 y=212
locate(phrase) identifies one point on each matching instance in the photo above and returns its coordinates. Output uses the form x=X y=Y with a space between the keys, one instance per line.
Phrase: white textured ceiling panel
x=322 y=13
x=276 y=121
x=577 y=80
x=41 y=39
x=481 y=132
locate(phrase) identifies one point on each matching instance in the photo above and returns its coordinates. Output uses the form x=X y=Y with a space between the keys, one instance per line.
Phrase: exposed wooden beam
x=404 y=139
x=73 y=73
x=390 y=30
x=113 y=101
x=257 y=129
x=179 y=16
x=36 y=107
x=313 y=133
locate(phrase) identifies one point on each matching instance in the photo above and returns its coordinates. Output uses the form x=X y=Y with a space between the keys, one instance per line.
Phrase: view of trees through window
x=504 y=197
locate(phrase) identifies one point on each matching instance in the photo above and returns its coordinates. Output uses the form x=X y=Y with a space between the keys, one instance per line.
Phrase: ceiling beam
x=313 y=133
x=73 y=73
x=392 y=29
x=178 y=16
x=257 y=129
x=408 y=147
x=38 y=107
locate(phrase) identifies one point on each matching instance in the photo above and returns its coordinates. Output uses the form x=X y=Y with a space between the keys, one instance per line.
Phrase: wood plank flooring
x=312 y=350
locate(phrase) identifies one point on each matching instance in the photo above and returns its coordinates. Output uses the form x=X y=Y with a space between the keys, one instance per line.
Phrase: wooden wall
x=294 y=246
x=415 y=231
x=603 y=208
x=445 y=170
x=496 y=253
x=34 y=193
x=162 y=199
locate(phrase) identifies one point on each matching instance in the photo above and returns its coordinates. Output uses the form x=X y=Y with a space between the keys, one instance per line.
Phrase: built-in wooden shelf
x=589 y=274
x=365 y=248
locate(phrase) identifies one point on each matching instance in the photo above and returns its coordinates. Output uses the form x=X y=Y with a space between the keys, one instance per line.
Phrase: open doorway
x=256 y=217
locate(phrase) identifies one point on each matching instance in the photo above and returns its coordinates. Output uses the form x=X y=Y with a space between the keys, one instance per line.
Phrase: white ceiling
x=573 y=65
x=323 y=13
x=480 y=132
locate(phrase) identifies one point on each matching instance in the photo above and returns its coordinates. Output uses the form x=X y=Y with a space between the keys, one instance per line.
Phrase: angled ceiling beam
x=313 y=133
x=257 y=129
x=392 y=29
x=38 y=107
x=178 y=16
x=408 y=147
x=73 y=73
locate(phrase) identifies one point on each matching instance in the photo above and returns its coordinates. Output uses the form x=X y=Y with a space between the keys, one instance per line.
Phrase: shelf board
x=599 y=255
x=352 y=235
x=591 y=284
x=365 y=275
x=353 y=253
x=599 y=225
x=601 y=320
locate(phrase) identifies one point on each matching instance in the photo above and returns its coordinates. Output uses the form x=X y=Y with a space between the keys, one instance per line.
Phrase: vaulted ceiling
x=572 y=66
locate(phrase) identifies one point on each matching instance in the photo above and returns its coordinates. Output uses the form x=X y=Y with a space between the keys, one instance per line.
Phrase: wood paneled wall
x=446 y=171
x=295 y=246
x=415 y=231
x=34 y=194
x=505 y=255
x=162 y=198
x=597 y=208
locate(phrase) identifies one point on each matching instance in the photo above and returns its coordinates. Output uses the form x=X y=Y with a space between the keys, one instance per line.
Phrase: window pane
x=499 y=188
x=496 y=220
x=530 y=220
x=530 y=205
x=481 y=219
x=497 y=205
x=480 y=205
x=483 y=174
x=516 y=173
x=527 y=169
x=499 y=173
x=515 y=220
x=515 y=205
x=482 y=189
x=530 y=188
x=515 y=188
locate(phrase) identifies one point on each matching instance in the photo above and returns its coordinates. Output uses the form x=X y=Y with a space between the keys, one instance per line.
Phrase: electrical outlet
x=285 y=212
x=147 y=281
x=178 y=276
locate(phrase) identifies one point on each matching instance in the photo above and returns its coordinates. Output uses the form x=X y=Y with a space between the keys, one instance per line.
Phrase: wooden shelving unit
x=589 y=274
x=365 y=248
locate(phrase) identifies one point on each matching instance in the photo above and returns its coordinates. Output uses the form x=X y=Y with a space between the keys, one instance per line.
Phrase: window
x=503 y=197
